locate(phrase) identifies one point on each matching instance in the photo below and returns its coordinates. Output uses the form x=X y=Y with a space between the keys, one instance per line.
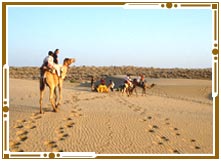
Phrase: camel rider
x=142 y=79
x=128 y=81
x=55 y=56
x=49 y=63
x=48 y=60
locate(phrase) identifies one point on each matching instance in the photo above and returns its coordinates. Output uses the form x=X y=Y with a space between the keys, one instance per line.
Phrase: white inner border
x=126 y=6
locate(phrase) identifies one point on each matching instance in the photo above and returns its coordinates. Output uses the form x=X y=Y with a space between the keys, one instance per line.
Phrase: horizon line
x=121 y=66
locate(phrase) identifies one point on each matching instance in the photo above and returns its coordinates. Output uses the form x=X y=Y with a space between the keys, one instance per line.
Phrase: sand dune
x=174 y=117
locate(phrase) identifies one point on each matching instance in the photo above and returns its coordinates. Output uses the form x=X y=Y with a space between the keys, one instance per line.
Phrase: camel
x=53 y=81
x=133 y=87
x=143 y=85
x=125 y=88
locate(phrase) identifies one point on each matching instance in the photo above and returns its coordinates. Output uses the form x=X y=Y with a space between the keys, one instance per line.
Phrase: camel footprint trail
x=23 y=128
x=112 y=123
x=154 y=129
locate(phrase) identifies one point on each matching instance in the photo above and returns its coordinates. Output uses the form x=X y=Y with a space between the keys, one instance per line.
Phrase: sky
x=111 y=36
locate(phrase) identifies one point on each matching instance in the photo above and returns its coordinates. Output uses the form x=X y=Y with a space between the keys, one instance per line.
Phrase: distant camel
x=125 y=88
x=53 y=81
x=143 y=85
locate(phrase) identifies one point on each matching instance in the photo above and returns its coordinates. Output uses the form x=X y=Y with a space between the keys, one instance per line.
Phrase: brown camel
x=133 y=88
x=53 y=81
x=143 y=85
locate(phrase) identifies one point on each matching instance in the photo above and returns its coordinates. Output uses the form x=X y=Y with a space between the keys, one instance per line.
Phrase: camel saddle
x=43 y=69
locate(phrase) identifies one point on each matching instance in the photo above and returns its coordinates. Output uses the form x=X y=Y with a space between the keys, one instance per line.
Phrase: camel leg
x=42 y=90
x=51 y=98
x=128 y=92
x=122 y=91
x=60 y=95
x=41 y=97
x=144 y=90
x=55 y=95
x=135 y=90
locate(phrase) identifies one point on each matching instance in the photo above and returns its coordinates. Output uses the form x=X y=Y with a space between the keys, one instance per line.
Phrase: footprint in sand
x=36 y=117
x=176 y=151
x=164 y=138
x=18 y=126
x=17 y=150
x=76 y=114
x=33 y=127
x=70 y=125
x=22 y=138
x=22 y=132
x=14 y=145
x=57 y=150
x=67 y=119
x=65 y=135
x=62 y=136
x=143 y=120
x=197 y=147
x=67 y=102
x=146 y=118
x=30 y=126
x=60 y=132
x=175 y=129
x=155 y=127
x=193 y=140
x=151 y=131
x=21 y=121
x=136 y=109
x=35 y=114
x=73 y=111
x=51 y=144
x=130 y=106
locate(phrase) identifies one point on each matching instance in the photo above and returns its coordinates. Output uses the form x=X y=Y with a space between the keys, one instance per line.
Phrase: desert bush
x=84 y=73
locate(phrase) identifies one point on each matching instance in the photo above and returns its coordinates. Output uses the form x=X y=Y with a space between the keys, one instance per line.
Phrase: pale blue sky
x=109 y=36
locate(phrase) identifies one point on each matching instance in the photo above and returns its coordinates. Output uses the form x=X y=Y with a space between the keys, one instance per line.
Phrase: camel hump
x=52 y=71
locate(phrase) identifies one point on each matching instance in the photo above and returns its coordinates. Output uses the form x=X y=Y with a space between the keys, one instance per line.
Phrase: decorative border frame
x=214 y=6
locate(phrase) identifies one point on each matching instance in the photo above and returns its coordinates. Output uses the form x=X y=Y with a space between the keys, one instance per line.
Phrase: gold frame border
x=213 y=5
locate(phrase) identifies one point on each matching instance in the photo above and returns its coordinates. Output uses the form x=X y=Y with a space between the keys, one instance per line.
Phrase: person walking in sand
x=111 y=85
x=92 y=83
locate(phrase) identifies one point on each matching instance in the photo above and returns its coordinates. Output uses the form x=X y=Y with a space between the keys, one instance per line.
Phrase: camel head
x=67 y=62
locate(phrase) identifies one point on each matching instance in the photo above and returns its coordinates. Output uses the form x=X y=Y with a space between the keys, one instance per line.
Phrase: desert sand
x=176 y=116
